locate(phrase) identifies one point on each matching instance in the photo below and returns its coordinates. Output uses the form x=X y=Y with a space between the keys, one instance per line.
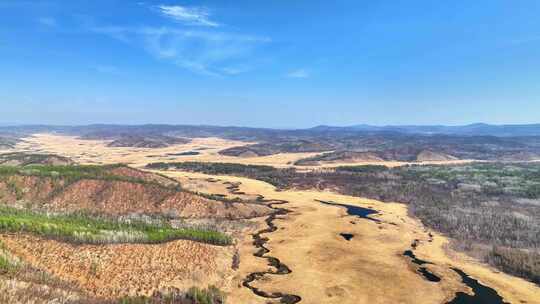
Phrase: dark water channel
x=482 y=294
x=422 y=270
x=276 y=266
x=347 y=236
x=428 y=275
x=414 y=259
x=355 y=210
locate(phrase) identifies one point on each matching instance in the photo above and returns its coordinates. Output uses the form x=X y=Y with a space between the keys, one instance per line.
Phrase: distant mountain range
x=248 y=133
x=477 y=129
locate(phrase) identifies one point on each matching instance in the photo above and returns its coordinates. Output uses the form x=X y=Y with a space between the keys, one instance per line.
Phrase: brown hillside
x=119 y=270
x=119 y=197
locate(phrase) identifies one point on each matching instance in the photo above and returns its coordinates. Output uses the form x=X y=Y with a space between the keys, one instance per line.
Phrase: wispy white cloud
x=300 y=73
x=204 y=52
x=47 y=21
x=199 y=16
x=207 y=49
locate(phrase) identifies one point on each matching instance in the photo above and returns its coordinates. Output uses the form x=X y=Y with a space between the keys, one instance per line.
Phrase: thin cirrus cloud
x=301 y=73
x=188 y=15
x=203 y=52
x=196 y=44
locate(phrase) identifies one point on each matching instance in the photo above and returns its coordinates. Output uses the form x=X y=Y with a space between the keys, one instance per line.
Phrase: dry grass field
x=97 y=152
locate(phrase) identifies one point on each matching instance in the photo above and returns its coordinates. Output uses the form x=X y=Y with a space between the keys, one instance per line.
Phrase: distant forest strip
x=214 y=168
x=269 y=174
x=491 y=209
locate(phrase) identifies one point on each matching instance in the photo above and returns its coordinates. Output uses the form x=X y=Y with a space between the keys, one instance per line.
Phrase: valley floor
x=371 y=267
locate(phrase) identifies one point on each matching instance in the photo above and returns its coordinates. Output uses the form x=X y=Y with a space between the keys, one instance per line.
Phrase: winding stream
x=481 y=294
x=280 y=268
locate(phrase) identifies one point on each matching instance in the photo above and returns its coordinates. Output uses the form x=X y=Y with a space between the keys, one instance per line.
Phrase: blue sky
x=274 y=63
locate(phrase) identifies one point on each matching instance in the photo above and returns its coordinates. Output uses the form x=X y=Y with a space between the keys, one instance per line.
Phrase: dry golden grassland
x=97 y=152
